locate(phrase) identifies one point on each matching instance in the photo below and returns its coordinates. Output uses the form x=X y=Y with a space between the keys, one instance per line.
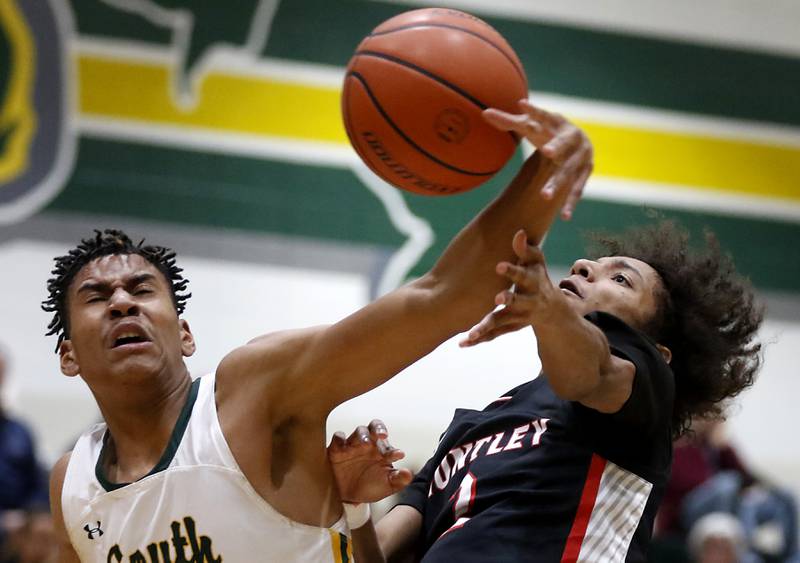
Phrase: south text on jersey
x=172 y=550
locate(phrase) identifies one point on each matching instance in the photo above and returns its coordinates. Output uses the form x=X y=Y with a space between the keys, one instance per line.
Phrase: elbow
x=569 y=390
x=573 y=382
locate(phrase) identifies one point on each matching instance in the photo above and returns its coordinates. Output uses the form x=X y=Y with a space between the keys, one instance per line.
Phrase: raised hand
x=362 y=464
x=558 y=140
x=533 y=298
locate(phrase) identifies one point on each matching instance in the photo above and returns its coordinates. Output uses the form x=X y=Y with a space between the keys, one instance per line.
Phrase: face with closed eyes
x=624 y=287
x=122 y=323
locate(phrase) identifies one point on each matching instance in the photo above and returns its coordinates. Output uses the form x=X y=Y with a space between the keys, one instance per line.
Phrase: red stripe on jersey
x=573 y=547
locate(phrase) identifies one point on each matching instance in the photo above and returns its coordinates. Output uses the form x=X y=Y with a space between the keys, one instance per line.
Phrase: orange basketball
x=413 y=96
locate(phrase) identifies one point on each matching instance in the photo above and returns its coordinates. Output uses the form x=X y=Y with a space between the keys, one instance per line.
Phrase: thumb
x=520 y=244
x=399 y=479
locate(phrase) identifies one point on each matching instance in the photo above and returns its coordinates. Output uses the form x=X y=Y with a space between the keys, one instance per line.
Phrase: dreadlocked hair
x=105 y=243
x=707 y=316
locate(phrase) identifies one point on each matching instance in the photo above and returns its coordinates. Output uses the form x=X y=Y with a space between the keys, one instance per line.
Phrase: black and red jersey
x=533 y=477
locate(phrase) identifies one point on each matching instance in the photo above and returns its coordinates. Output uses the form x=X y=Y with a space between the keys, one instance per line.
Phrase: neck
x=140 y=422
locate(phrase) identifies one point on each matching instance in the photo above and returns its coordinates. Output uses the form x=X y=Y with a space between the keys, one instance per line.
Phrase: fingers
x=524 y=249
x=517 y=122
x=563 y=145
x=338 y=442
x=572 y=175
x=540 y=114
x=489 y=332
x=380 y=436
x=371 y=441
x=490 y=335
x=377 y=429
x=359 y=437
x=399 y=479
x=526 y=276
x=508 y=319
x=475 y=332
x=575 y=193
x=521 y=124
x=556 y=139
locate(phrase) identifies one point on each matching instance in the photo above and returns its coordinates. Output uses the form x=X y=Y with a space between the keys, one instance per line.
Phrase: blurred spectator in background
x=24 y=512
x=22 y=482
x=718 y=538
x=715 y=508
x=30 y=537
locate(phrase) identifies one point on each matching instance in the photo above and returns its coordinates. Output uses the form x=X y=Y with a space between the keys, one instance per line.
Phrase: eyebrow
x=133 y=281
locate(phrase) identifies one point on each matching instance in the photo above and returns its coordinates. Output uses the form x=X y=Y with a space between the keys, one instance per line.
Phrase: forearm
x=398 y=533
x=365 y=545
x=574 y=353
x=370 y=346
x=466 y=271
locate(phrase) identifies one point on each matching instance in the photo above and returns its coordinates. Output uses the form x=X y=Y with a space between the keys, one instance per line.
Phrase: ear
x=665 y=352
x=187 y=339
x=68 y=359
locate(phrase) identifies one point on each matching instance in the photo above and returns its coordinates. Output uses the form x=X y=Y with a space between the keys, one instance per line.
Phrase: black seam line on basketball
x=427 y=73
x=430 y=75
x=449 y=26
x=351 y=134
x=399 y=131
x=348 y=127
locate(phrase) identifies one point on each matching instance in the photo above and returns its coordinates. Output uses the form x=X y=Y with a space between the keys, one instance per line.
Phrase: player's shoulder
x=57 y=475
x=266 y=355
x=259 y=370
x=60 y=466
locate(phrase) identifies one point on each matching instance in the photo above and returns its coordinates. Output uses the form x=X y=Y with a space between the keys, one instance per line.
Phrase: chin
x=579 y=306
x=136 y=368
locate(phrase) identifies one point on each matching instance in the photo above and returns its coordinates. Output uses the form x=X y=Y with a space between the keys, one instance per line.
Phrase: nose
x=584 y=268
x=122 y=304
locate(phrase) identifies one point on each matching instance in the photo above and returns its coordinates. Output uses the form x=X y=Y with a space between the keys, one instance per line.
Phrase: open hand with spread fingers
x=532 y=299
x=557 y=139
x=362 y=464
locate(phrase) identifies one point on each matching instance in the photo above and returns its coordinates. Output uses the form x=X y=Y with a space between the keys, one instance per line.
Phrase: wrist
x=356 y=515
x=554 y=313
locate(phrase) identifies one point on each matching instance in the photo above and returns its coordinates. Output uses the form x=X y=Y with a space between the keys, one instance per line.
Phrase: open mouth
x=128 y=335
x=568 y=287
x=126 y=339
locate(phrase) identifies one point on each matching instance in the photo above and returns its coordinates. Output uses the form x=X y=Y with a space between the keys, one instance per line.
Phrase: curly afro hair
x=104 y=243
x=708 y=317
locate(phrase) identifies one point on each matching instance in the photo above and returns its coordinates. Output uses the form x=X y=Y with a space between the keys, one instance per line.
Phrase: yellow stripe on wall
x=722 y=164
x=140 y=91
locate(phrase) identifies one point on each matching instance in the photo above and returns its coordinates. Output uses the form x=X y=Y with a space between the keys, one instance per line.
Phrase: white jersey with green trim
x=195 y=506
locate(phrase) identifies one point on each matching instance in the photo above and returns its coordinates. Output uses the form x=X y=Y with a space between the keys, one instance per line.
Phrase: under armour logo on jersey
x=92 y=531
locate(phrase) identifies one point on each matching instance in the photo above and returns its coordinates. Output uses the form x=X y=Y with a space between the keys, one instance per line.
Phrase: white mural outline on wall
x=246 y=60
x=185 y=81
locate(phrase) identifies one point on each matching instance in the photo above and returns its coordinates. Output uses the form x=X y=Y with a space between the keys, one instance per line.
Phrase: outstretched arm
x=575 y=354
x=307 y=373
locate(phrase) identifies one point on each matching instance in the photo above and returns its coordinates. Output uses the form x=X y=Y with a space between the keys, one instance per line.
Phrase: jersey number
x=463 y=499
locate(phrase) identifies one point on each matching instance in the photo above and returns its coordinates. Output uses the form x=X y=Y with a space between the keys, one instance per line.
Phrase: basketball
x=413 y=95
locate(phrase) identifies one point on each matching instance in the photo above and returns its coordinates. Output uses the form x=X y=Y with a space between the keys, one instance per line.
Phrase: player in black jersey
x=571 y=466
